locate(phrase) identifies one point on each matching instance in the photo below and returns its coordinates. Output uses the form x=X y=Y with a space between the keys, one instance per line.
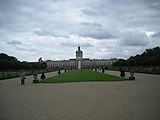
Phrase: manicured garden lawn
x=82 y=76
x=8 y=74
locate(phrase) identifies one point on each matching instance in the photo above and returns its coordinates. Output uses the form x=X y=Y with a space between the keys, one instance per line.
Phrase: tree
x=150 y=57
x=10 y=62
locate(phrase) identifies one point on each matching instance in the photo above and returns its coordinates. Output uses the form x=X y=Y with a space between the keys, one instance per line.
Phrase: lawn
x=82 y=76
x=8 y=74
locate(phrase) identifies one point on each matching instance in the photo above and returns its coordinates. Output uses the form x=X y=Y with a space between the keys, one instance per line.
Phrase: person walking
x=22 y=77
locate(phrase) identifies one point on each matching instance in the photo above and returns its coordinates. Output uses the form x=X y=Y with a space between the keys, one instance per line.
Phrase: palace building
x=79 y=62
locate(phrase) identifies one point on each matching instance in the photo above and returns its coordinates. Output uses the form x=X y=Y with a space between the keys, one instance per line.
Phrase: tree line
x=12 y=63
x=150 y=57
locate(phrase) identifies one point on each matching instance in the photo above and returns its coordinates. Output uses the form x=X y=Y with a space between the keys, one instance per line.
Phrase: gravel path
x=125 y=100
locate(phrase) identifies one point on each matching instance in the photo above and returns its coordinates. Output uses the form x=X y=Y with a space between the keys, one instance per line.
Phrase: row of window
x=53 y=64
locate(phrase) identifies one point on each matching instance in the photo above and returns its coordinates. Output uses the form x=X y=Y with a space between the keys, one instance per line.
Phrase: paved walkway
x=125 y=100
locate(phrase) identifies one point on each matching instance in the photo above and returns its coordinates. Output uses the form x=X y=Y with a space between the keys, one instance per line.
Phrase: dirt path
x=126 y=100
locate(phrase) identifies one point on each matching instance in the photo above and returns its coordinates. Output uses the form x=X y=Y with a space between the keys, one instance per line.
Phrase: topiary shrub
x=43 y=76
x=122 y=72
x=59 y=71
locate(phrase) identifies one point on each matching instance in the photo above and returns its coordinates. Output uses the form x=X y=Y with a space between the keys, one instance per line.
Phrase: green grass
x=8 y=74
x=82 y=76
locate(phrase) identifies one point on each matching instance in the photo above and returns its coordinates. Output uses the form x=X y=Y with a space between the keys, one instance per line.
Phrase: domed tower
x=79 y=57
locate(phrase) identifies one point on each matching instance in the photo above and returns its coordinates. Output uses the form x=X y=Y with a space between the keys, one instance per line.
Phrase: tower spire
x=78 y=46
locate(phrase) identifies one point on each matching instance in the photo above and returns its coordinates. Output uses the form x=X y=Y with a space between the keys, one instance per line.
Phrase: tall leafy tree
x=150 y=57
x=10 y=62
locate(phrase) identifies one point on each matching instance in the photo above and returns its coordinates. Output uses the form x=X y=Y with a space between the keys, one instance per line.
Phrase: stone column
x=79 y=64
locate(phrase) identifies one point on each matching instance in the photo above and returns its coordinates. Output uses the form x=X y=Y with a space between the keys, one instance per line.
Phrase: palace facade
x=79 y=62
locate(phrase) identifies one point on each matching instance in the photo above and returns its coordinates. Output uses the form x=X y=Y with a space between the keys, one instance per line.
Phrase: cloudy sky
x=52 y=29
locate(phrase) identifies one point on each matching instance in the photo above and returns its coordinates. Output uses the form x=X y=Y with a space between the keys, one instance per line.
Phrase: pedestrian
x=22 y=77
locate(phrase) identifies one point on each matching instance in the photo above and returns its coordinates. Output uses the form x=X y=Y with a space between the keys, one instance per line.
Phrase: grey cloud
x=94 y=30
x=134 y=39
x=153 y=4
x=14 y=42
x=43 y=33
x=54 y=34
x=156 y=35
x=98 y=19
x=68 y=44
x=91 y=24
x=97 y=25
x=85 y=23
x=73 y=44
x=92 y=12
x=16 y=6
x=101 y=34
x=89 y=12
x=5 y=4
x=14 y=18
x=26 y=49
x=86 y=45
x=64 y=36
